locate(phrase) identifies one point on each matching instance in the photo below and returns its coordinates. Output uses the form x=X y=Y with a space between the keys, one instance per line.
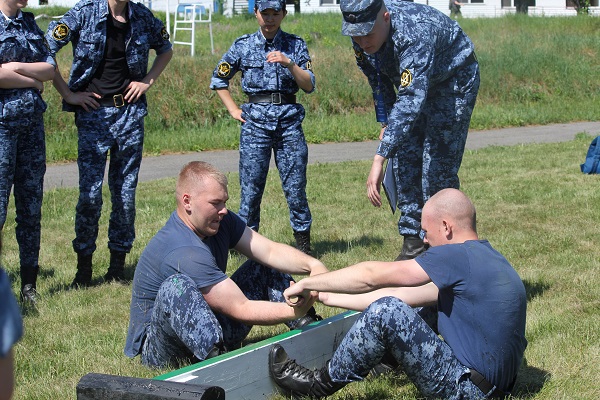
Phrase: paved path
x=65 y=175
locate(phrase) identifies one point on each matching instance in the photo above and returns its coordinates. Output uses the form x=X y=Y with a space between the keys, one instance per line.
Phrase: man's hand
x=135 y=90
x=86 y=100
x=374 y=181
x=278 y=57
x=237 y=114
x=303 y=305
x=296 y=297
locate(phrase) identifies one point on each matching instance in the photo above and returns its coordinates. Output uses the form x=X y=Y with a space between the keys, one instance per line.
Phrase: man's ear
x=386 y=17
x=186 y=201
x=447 y=229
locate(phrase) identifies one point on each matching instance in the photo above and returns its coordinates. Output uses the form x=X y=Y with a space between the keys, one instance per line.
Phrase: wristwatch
x=290 y=64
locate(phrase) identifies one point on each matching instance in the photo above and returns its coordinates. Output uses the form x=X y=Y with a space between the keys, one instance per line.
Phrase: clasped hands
x=295 y=296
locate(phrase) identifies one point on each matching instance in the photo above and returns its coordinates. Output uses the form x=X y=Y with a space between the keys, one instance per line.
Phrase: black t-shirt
x=112 y=75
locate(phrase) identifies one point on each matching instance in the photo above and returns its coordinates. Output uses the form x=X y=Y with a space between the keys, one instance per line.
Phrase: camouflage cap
x=276 y=5
x=359 y=16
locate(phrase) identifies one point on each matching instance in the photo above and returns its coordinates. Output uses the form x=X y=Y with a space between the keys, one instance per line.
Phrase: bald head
x=452 y=205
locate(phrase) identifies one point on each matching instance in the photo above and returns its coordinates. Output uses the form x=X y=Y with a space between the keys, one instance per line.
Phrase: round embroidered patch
x=405 y=78
x=223 y=69
x=359 y=55
x=60 y=32
x=164 y=33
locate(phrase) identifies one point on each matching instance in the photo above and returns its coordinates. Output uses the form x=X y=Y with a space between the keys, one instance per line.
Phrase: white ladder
x=187 y=15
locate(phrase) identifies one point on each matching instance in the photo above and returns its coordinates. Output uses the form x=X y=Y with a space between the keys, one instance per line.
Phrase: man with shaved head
x=478 y=303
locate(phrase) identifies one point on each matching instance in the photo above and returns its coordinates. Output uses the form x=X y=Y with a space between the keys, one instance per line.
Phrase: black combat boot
x=83 y=277
x=413 y=246
x=298 y=380
x=303 y=241
x=28 y=292
x=116 y=269
x=310 y=317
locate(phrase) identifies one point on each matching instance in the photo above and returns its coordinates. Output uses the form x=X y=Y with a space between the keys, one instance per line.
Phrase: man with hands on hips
x=107 y=88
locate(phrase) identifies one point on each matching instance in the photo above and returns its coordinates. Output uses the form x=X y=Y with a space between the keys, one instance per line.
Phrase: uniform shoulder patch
x=405 y=78
x=309 y=65
x=223 y=69
x=359 y=55
x=164 y=34
x=60 y=32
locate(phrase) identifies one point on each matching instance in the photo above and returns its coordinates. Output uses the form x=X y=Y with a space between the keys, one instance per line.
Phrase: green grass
x=534 y=205
x=533 y=71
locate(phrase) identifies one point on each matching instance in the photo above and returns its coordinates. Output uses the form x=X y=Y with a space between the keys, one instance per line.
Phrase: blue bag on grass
x=592 y=160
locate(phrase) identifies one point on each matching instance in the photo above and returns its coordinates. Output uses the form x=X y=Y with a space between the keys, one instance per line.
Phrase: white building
x=470 y=9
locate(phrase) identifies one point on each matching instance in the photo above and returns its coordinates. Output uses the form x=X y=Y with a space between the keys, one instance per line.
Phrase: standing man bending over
x=425 y=78
x=107 y=91
x=481 y=306
x=184 y=307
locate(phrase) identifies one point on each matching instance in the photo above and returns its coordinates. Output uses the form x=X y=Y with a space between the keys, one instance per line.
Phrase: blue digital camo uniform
x=428 y=361
x=22 y=141
x=119 y=130
x=170 y=322
x=269 y=127
x=430 y=62
x=183 y=327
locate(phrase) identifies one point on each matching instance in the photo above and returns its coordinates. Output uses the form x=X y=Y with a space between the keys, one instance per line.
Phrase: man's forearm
x=42 y=71
x=160 y=63
x=60 y=85
x=418 y=296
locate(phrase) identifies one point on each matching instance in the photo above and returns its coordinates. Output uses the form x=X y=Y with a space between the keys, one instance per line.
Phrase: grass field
x=534 y=71
x=534 y=205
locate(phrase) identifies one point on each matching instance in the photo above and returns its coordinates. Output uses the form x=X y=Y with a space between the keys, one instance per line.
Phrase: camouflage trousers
x=120 y=133
x=390 y=325
x=183 y=329
x=429 y=159
x=22 y=169
x=291 y=157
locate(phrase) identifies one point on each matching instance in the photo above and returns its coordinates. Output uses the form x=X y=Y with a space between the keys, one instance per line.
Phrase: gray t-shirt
x=481 y=308
x=177 y=249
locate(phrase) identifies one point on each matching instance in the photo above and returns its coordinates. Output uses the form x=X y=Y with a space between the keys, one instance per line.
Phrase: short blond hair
x=194 y=174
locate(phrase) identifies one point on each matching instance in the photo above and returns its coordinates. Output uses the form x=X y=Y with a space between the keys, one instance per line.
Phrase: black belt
x=273 y=98
x=113 y=101
x=485 y=386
